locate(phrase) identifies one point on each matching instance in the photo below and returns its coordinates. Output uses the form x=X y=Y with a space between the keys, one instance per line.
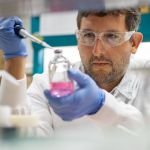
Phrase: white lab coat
x=13 y=94
x=124 y=106
x=114 y=112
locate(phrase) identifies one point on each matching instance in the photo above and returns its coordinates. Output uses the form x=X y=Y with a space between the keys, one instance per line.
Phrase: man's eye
x=112 y=36
x=89 y=35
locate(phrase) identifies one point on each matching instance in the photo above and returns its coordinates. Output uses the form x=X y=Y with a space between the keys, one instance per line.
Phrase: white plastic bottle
x=60 y=84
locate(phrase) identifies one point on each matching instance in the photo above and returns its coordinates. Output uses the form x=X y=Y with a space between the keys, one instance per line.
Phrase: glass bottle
x=60 y=84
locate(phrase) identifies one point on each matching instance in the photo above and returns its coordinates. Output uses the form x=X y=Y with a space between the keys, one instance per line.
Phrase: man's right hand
x=10 y=43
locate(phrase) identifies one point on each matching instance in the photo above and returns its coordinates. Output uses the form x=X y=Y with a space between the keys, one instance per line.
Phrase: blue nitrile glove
x=10 y=43
x=86 y=100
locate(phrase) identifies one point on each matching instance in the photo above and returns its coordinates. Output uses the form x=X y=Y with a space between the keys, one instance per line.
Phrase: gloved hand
x=10 y=43
x=86 y=100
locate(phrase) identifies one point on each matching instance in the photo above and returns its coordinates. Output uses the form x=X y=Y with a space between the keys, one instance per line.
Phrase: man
x=109 y=94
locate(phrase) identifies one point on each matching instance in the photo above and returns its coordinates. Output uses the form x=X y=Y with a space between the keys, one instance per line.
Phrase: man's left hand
x=86 y=100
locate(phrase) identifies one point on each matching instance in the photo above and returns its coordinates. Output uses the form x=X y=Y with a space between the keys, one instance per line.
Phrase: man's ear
x=136 y=40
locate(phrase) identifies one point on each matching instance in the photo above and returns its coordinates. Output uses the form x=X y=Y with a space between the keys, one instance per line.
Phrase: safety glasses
x=108 y=39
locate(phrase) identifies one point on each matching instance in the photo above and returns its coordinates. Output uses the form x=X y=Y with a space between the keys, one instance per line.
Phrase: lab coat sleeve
x=40 y=106
x=117 y=113
x=13 y=94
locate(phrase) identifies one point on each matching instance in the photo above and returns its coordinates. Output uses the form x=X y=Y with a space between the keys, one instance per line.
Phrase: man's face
x=105 y=65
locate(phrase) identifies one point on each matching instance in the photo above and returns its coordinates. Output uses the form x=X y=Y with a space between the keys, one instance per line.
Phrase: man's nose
x=98 y=47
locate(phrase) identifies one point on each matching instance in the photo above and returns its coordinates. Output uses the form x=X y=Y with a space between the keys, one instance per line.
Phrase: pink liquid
x=59 y=89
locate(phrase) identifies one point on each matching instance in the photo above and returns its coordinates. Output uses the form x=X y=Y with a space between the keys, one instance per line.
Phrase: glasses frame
x=127 y=36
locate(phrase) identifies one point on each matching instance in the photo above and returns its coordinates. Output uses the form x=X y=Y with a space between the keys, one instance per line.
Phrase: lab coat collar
x=128 y=86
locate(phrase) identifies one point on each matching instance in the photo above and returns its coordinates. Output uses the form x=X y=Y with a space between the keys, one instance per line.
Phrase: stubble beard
x=103 y=77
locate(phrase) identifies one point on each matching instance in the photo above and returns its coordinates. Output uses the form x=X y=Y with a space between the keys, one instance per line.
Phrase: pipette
x=22 y=33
